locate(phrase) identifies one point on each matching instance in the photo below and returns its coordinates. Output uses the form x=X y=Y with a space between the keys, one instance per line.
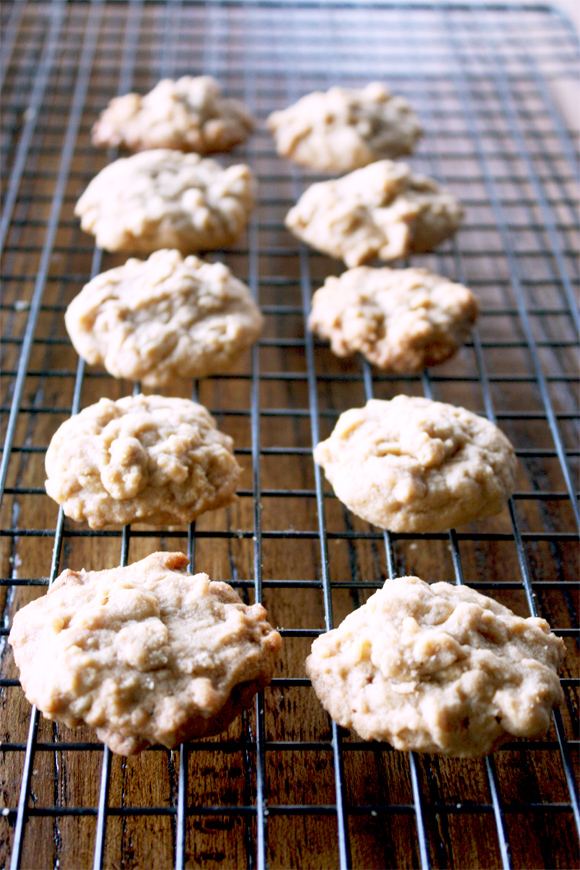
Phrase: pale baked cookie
x=189 y=114
x=166 y=199
x=144 y=459
x=345 y=128
x=384 y=210
x=164 y=318
x=400 y=319
x=413 y=465
x=145 y=654
x=438 y=669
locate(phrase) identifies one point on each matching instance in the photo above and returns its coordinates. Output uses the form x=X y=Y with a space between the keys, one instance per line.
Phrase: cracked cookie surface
x=414 y=465
x=147 y=459
x=345 y=128
x=402 y=320
x=144 y=654
x=164 y=318
x=383 y=210
x=165 y=199
x=439 y=669
x=189 y=114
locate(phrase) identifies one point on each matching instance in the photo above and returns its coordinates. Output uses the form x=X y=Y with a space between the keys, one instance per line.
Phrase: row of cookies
x=171 y=316
x=151 y=654
x=336 y=131
x=143 y=450
x=168 y=317
x=152 y=459
x=148 y=653
x=400 y=320
x=431 y=668
x=409 y=464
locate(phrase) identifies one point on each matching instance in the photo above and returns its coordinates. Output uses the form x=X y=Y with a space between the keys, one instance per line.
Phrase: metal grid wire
x=284 y=787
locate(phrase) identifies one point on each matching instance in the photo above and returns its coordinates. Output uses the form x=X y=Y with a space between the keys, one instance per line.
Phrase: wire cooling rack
x=284 y=787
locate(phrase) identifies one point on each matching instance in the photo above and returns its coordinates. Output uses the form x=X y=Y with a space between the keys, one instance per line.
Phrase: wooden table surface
x=281 y=788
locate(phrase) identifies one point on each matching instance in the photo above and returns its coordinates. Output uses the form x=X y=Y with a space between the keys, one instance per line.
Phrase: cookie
x=165 y=199
x=413 y=465
x=402 y=320
x=164 y=318
x=438 y=669
x=144 y=654
x=189 y=114
x=145 y=459
x=383 y=210
x=345 y=128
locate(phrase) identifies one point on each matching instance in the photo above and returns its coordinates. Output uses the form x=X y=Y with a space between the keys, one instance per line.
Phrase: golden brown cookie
x=384 y=210
x=144 y=654
x=164 y=318
x=438 y=669
x=145 y=459
x=166 y=199
x=345 y=128
x=189 y=114
x=414 y=465
x=402 y=320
